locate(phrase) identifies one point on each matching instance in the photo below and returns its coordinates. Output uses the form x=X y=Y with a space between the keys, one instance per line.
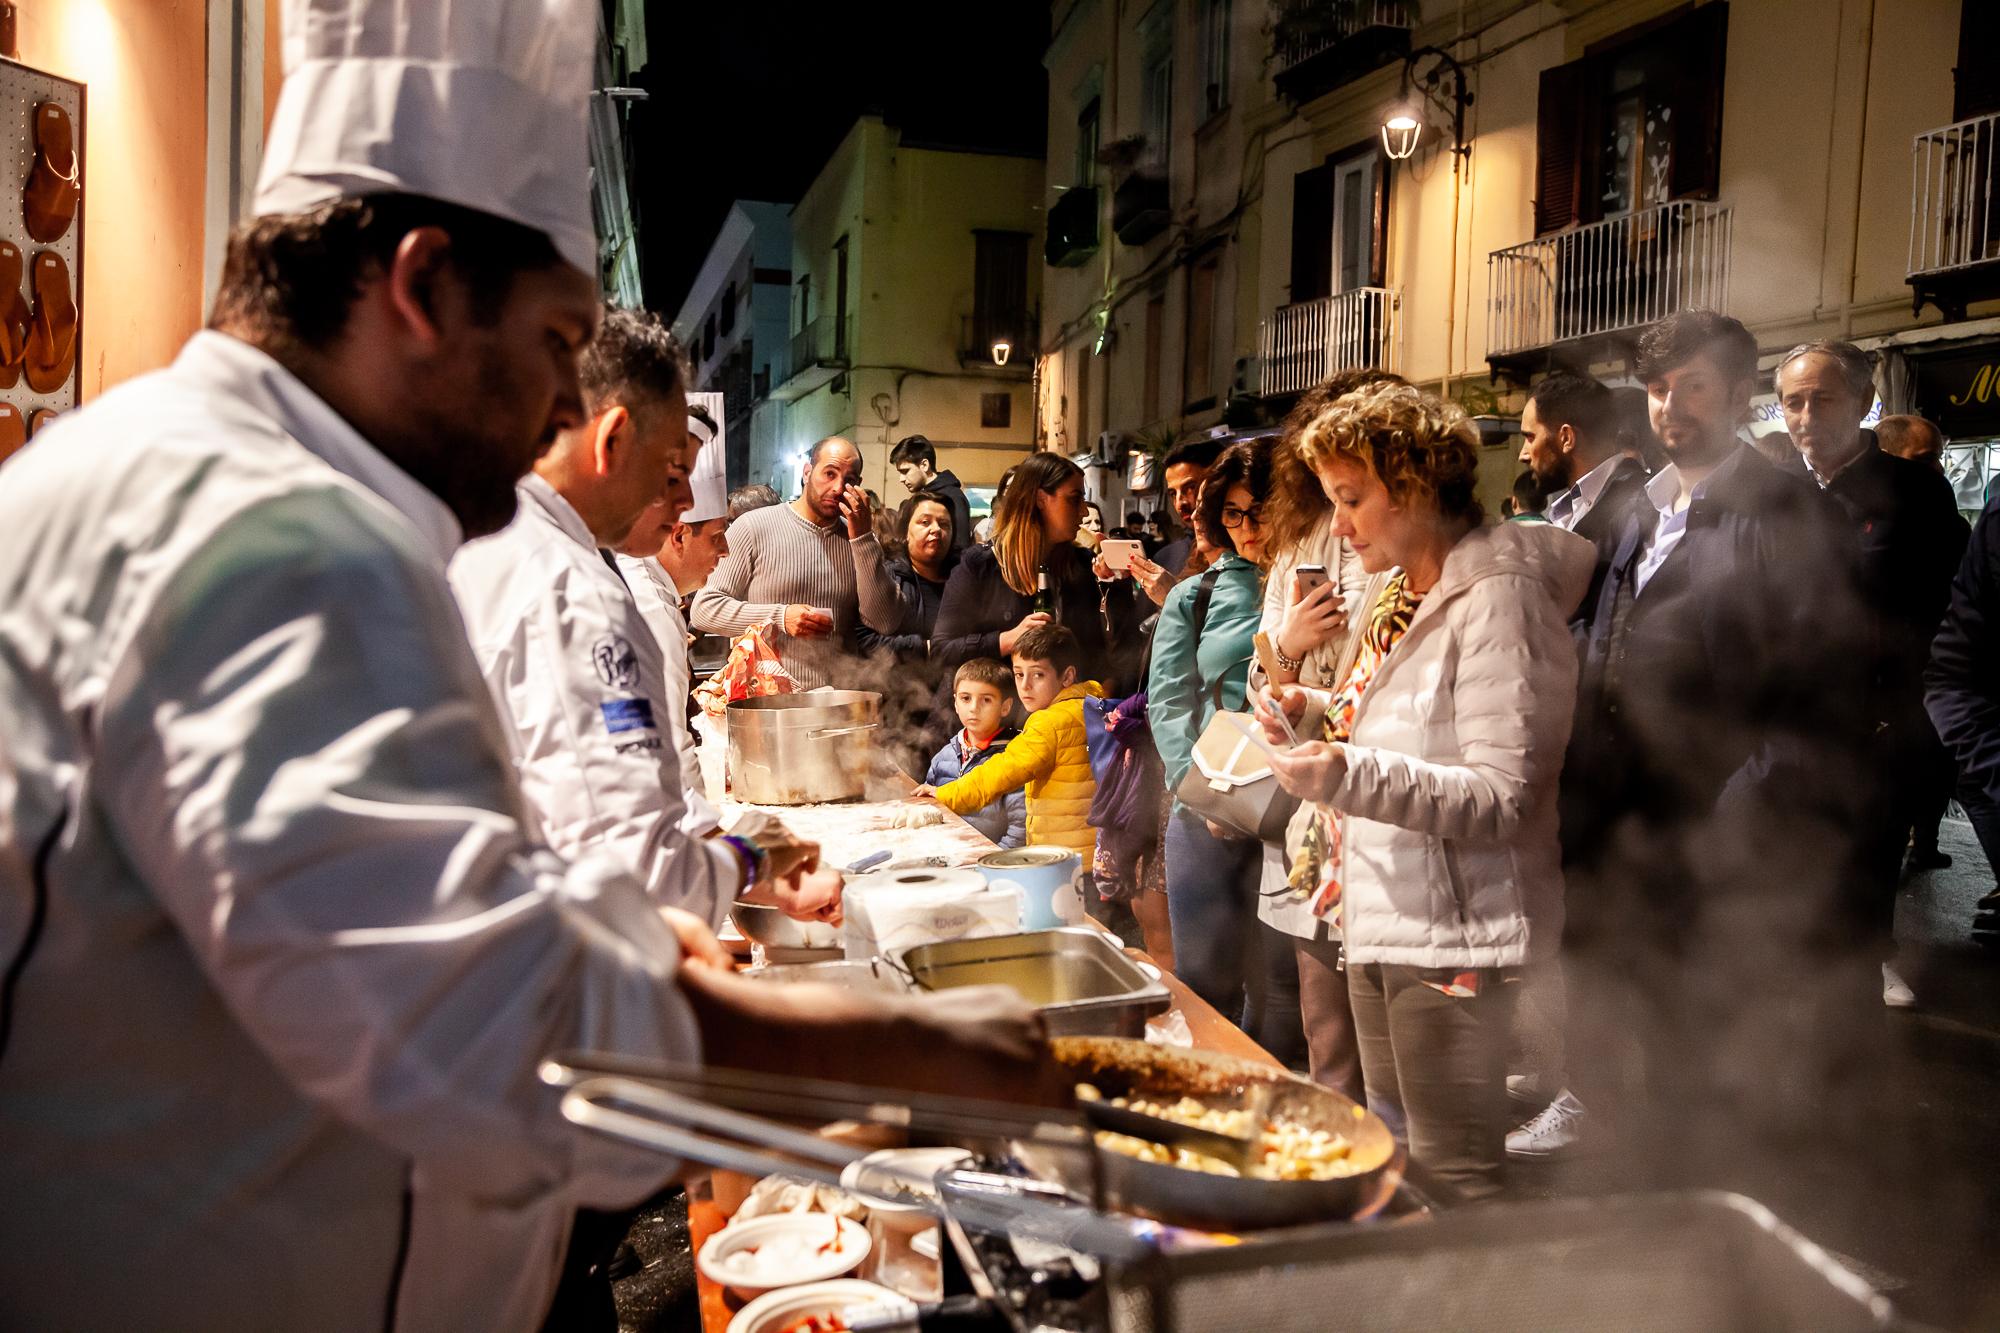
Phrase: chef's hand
x=855 y=509
x=980 y=1041
x=804 y=622
x=699 y=947
x=808 y=895
x=1311 y=771
x=1312 y=620
x=1270 y=701
x=1154 y=578
x=1010 y=637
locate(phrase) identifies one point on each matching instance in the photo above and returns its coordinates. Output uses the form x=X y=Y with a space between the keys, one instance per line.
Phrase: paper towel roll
x=886 y=913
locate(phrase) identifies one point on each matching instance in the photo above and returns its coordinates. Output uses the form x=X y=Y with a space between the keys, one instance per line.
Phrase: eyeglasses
x=1232 y=517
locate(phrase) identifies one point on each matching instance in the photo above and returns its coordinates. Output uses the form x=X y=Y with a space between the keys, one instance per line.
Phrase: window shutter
x=1559 y=145
x=1378 y=254
x=1976 y=80
x=1312 y=234
x=1698 y=43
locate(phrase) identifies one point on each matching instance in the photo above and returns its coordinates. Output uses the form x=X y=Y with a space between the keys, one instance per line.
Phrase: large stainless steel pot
x=801 y=749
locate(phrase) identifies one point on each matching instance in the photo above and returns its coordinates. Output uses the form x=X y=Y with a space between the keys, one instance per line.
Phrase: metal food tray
x=1084 y=984
x=1699 y=1262
x=855 y=974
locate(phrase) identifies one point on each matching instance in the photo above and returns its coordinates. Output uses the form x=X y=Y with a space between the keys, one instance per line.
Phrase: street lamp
x=1403 y=126
x=1001 y=349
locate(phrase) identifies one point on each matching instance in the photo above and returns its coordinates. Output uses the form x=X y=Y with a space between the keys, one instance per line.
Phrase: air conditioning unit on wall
x=1111 y=447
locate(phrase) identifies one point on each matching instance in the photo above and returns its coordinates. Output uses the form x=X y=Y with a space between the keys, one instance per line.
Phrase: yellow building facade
x=909 y=263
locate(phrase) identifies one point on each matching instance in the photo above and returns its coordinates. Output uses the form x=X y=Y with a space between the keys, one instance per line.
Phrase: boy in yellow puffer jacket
x=1050 y=757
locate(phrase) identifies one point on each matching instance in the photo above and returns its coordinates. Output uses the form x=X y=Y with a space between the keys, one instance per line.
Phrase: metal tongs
x=712 y=1115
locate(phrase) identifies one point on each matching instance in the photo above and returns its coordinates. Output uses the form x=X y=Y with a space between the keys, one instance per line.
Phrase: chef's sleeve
x=581 y=678
x=304 y=766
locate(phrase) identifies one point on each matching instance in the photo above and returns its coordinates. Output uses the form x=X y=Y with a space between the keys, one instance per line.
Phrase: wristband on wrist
x=1285 y=660
x=755 y=858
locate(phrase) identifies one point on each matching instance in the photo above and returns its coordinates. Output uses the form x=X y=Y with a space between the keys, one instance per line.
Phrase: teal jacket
x=1180 y=691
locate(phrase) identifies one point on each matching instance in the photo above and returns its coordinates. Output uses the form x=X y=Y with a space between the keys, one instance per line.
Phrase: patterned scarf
x=1316 y=873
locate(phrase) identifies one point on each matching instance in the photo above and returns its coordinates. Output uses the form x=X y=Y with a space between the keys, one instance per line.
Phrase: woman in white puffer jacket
x=1433 y=770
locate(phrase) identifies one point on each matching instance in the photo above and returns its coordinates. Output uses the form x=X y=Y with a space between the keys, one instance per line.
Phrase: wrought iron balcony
x=978 y=333
x=1954 y=236
x=1318 y=45
x=1307 y=341
x=1606 y=279
x=819 y=351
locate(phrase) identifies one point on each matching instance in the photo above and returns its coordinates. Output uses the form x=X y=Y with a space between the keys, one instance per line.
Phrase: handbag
x=1229 y=780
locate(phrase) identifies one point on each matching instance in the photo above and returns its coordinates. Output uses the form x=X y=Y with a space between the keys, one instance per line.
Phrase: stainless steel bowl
x=774 y=930
x=1079 y=979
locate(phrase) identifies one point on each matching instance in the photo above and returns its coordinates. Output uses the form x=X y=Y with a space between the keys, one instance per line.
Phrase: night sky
x=749 y=97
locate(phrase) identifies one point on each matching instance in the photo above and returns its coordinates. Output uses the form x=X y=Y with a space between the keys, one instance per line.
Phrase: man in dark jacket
x=915 y=461
x=1911 y=540
x=1724 y=953
x=1962 y=695
x=1569 y=441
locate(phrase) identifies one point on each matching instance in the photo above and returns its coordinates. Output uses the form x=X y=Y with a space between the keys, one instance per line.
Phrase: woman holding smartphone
x=1430 y=776
x=1314 y=581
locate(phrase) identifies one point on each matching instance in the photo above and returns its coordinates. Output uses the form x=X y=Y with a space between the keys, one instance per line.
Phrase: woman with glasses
x=1201 y=661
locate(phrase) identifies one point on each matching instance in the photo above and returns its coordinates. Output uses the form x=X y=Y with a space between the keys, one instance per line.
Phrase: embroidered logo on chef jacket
x=617 y=665
x=627 y=715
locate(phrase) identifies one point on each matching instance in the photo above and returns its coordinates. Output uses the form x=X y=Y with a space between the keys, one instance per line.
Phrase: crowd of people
x=346 y=771
x=1660 y=745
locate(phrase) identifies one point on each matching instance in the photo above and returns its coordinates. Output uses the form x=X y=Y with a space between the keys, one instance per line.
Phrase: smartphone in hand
x=1309 y=577
x=1117 y=552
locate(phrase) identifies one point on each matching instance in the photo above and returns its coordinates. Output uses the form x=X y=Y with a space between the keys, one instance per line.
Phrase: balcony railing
x=1954 y=236
x=1307 y=341
x=1317 y=45
x=818 y=352
x=978 y=333
x=1607 y=277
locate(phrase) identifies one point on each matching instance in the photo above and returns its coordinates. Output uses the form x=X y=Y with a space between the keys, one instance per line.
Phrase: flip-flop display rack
x=31 y=148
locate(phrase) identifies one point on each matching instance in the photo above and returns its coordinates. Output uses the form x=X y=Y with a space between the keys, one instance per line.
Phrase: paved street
x=1930 y=1236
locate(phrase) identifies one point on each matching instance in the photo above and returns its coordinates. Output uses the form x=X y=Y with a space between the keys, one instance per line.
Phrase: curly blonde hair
x=1425 y=450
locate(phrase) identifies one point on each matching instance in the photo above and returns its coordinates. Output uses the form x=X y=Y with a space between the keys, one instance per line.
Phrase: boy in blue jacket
x=980 y=693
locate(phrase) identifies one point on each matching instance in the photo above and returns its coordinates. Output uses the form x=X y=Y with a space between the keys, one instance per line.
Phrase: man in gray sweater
x=812 y=567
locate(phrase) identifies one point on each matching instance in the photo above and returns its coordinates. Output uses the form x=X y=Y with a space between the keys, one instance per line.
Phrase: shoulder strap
x=1203 y=593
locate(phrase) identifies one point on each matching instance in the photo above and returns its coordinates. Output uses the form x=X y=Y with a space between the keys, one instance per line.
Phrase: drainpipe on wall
x=1853 y=266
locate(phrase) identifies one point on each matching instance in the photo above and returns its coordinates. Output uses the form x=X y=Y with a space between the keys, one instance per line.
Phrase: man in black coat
x=915 y=460
x=1721 y=937
x=1569 y=435
x=1962 y=696
x=1911 y=539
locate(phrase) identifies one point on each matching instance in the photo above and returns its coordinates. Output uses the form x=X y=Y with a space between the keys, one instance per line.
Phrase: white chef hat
x=480 y=103
x=711 y=490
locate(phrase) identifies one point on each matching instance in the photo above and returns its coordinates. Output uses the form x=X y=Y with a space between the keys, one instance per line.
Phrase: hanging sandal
x=48 y=202
x=39 y=418
x=52 y=333
x=13 y=431
x=14 y=316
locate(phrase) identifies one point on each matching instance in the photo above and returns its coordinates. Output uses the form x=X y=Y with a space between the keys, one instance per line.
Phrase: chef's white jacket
x=579 y=680
x=280 y=954
x=659 y=605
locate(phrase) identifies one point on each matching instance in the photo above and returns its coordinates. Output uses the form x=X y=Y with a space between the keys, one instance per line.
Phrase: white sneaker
x=1557 y=1129
x=1896 y=992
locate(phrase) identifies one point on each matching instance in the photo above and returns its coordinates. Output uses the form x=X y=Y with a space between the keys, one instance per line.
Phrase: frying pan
x=1118 y=1067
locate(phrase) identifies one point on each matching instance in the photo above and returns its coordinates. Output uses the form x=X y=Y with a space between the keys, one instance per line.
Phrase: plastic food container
x=896 y=1224
x=793 y=1248
x=780 y=1309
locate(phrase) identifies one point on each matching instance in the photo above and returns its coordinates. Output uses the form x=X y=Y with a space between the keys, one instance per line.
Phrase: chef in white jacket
x=279 y=955
x=665 y=558
x=579 y=675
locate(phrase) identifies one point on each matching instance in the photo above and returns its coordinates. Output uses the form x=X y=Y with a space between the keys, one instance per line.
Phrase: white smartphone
x=1118 y=552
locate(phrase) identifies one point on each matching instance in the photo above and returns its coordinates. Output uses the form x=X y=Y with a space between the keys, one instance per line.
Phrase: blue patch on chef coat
x=628 y=715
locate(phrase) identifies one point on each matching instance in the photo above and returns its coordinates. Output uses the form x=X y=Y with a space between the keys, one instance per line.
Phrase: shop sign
x=1768 y=418
x=1961 y=390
